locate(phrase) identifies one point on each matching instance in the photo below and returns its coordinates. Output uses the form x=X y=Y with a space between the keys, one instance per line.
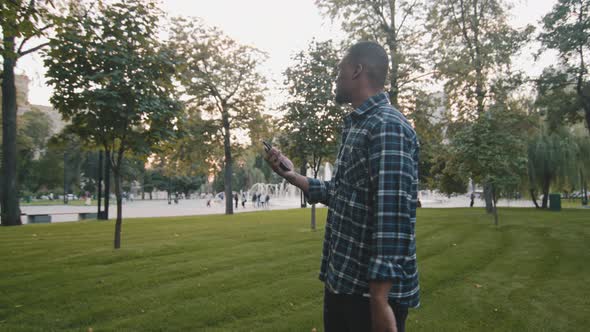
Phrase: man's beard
x=341 y=98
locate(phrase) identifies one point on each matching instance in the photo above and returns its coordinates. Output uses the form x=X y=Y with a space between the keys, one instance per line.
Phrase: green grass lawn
x=258 y=272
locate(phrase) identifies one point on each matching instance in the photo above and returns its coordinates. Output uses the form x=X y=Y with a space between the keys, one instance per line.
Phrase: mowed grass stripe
x=258 y=272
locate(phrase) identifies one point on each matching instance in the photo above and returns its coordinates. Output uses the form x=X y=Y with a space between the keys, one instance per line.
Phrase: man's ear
x=358 y=69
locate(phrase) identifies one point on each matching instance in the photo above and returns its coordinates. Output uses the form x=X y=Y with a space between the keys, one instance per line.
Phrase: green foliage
x=553 y=160
x=112 y=77
x=557 y=98
x=447 y=176
x=421 y=111
x=492 y=149
x=312 y=123
x=396 y=24
x=221 y=79
x=566 y=29
x=472 y=45
x=112 y=80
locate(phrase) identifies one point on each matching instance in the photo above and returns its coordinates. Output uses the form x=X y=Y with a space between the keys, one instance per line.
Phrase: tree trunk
x=313 y=228
x=394 y=75
x=392 y=44
x=546 y=183
x=9 y=200
x=495 y=206
x=583 y=188
x=534 y=198
x=487 y=193
x=99 y=187
x=118 y=194
x=303 y=172
x=107 y=184
x=229 y=208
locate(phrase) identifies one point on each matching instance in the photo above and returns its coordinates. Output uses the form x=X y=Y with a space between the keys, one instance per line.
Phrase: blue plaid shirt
x=370 y=230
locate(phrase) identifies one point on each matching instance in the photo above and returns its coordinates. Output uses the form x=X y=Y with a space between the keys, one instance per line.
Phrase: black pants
x=352 y=313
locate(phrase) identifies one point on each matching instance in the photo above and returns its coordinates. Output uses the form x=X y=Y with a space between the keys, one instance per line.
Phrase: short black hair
x=373 y=57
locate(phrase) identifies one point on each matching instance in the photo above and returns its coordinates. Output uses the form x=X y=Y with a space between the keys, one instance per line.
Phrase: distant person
x=258 y=199
x=267 y=201
x=369 y=266
x=244 y=200
x=472 y=200
x=236 y=199
x=254 y=199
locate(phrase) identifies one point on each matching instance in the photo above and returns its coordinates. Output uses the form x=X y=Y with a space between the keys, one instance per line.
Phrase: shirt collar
x=379 y=99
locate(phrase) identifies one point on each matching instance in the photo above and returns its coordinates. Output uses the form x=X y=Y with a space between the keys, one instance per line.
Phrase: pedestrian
x=244 y=200
x=258 y=199
x=253 y=199
x=472 y=199
x=369 y=266
x=267 y=201
x=236 y=199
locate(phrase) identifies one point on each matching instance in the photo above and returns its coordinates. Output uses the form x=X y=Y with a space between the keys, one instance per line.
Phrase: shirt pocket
x=355 y=172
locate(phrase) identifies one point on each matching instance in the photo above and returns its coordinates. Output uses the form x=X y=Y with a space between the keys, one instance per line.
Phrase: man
x=369 y=255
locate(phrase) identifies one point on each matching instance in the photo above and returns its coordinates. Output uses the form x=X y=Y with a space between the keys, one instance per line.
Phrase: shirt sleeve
x=319 y=191
x=391 y=178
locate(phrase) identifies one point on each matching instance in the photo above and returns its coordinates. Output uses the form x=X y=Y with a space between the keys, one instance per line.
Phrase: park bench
x=43 y=218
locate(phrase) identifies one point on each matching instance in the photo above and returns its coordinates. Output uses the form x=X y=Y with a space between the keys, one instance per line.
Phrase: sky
x=280 y=28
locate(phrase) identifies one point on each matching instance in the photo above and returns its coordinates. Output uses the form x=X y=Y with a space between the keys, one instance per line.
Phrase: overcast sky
x=278 y=27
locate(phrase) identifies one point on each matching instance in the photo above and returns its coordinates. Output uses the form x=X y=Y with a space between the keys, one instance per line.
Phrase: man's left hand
x=383 y=319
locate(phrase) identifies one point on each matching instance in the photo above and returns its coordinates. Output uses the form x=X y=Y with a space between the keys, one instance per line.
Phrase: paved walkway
x=156 y=208
x=161 y=208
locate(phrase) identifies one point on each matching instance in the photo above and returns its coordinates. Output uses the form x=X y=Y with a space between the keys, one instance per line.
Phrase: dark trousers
x=352 y=313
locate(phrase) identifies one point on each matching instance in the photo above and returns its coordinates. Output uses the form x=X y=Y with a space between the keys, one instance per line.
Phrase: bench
x=45 y=218
x=87 y=215
x=38 y=218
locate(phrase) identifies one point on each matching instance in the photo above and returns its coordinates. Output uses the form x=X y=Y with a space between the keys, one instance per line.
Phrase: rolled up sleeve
x=319 y=191
x=391 y=176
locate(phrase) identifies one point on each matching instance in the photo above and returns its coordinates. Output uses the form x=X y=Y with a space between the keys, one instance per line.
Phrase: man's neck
x=363 y=96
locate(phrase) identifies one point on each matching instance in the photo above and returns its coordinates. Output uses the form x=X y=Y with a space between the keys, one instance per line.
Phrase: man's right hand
x=274 y=158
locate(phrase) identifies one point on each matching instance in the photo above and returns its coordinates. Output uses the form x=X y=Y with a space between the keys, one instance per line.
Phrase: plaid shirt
x=372 y=205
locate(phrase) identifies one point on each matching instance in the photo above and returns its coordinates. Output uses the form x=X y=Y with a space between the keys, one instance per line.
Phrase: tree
x=112 y=81
x=433 y=155
x=446 y=174
x=552 y=154
x=492 y=150
x=21 y=21
x=472 y=46
x=221 y=78
x=33 y=133
x=312 y=124
x=566 y=29
x=394 y=23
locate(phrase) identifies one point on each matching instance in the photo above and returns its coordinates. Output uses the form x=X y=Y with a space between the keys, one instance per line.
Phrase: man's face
x=344 y=82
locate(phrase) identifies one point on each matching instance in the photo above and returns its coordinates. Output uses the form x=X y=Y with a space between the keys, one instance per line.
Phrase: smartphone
x=267 y=148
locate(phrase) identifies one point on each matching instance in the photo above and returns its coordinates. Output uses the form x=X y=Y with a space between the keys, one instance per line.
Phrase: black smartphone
x=267 y=148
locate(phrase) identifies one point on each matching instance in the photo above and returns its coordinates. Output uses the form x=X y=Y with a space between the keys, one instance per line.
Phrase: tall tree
x=20 y=21
x=313 y=121
x=566 y=29
x=112 y=81
x=397 y=24
x=492 y=150
x=552 y=154
x=221 y=78
x=472 y=46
